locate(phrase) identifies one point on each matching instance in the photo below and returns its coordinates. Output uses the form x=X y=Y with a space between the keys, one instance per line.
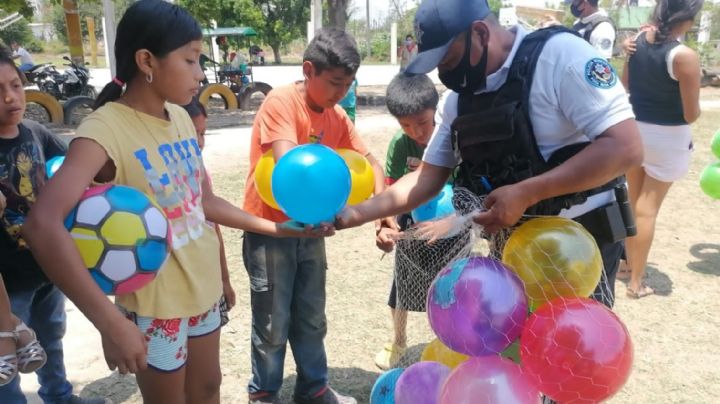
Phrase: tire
x=89 y=91
x=76 y=109
x=223 y=91
x=48 y=103
x=256 y=88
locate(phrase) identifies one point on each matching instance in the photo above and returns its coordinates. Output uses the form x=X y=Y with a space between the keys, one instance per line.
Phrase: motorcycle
x=74 y=81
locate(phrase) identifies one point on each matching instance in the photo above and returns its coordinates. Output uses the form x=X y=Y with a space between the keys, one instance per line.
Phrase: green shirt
x=401 y=150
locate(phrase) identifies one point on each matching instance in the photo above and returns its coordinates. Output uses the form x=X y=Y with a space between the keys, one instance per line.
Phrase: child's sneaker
x=326 y=396
x=390 y=356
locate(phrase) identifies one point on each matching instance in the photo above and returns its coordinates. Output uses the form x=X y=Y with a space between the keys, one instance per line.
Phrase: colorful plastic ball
x=436 y=351
x=554 y=257
x=438 y=207
x=263 y=179
x=52 y=165
x=715 y=145
x=577 y=350
x=311 y=183
x=710 y=180
x=123 y=237
x=477 y=306
x=383 y=391
x=421 y=383
x=362 y=176
x=489 y=380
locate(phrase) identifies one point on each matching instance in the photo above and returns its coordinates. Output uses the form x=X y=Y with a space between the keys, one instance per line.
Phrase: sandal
x=8 y=363
x=643 y=292
x=32 y=356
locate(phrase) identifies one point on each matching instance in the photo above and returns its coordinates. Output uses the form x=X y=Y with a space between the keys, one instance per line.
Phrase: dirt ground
x=674 y=332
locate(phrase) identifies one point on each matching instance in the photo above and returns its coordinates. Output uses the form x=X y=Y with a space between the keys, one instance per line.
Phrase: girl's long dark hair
x=155 y=25
x=669 y=14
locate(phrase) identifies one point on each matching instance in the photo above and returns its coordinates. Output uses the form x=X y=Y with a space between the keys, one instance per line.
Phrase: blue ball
x=383 y=392
x=52 y=165
x=440 y=206
x=311 y=183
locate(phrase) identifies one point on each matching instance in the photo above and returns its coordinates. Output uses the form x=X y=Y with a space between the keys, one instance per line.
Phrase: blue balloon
x=383 y=392
x=311 y=183
x=52 y=165
x=440 y=206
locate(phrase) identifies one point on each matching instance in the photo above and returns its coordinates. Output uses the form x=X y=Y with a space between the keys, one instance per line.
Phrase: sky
x=379 y=8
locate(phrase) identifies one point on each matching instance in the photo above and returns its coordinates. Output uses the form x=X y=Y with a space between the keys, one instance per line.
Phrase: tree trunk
x=337 y=13
x=276 y=53
x=72 y=22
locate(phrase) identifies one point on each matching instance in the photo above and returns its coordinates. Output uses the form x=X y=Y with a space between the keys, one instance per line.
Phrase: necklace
x=147 y=129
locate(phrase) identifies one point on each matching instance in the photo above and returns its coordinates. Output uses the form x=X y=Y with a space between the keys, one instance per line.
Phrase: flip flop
x=644 y=292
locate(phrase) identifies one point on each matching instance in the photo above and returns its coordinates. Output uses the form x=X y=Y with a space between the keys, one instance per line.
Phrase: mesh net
x=523 y=294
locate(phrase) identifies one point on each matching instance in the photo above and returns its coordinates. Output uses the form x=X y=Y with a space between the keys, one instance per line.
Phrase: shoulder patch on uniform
x=599 y=73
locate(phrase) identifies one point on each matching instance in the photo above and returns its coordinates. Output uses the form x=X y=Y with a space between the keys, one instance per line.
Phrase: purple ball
x=421 y=383
x=477 y=306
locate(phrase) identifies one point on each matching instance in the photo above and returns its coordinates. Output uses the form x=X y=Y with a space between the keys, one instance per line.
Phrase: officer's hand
x=504 y=208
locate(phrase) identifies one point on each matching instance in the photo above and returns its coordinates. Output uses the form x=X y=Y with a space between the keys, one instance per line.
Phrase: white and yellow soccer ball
x=122 y=235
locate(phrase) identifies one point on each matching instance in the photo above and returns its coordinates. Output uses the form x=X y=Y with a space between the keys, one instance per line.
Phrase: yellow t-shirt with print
x=163 y=160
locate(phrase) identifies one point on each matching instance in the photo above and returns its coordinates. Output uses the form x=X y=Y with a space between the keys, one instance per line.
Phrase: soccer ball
x=122 y=235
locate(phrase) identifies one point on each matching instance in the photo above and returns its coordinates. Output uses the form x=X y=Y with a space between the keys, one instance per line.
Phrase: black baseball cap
x=437 y=23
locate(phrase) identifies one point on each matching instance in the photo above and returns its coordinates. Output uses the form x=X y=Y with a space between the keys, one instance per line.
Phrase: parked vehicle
x=74 y=81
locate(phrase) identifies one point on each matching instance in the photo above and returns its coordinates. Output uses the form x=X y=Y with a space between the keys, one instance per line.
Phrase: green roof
x=241 y=31
x=632 y=17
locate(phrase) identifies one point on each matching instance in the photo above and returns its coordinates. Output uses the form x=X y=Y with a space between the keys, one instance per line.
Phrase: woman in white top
x=663 y=78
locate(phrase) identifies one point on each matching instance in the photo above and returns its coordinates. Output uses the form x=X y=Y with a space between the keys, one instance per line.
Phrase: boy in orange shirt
x=287 y=276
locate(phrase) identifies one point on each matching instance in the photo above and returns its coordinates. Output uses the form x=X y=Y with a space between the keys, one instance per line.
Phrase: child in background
x=24 y=148
x=412 y=100
x=287 y=276
x=349 y=102
x=198 y=114
x=167 y=332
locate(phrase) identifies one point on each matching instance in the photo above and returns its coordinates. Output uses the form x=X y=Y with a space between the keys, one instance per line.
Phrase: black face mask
x=466 y=79
x=574 y=9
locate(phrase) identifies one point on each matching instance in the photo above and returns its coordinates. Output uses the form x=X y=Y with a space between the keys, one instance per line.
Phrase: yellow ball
x=554 y=257
x=361 y=175
x=263 y=179
x=436 y=351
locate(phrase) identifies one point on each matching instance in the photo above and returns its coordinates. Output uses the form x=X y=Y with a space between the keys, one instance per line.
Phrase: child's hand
x=386 y=232
x=3 y=202
x=229 y=294
x=293 y=228
x=442 y=228
x=124 y=346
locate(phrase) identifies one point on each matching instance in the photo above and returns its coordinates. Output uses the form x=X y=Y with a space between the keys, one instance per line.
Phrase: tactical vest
x=494 y=136
x=590 y=26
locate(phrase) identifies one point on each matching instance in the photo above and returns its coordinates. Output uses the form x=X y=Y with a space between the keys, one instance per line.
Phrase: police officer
x=575 y=99
x=594 y=25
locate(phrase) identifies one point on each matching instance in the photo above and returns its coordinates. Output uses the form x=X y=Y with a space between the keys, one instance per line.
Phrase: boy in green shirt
x=413 y=102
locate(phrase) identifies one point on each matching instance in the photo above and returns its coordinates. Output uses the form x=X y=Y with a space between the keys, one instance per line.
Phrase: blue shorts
x=167 y=339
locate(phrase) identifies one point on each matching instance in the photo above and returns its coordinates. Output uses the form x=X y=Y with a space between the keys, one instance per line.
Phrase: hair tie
x=118 y=81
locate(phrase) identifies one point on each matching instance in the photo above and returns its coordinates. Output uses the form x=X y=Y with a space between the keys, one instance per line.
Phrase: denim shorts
x=167 y=338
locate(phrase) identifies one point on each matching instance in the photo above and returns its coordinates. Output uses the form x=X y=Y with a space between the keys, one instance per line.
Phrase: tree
x=337 y=13
x=279 y=21
x=20 y=6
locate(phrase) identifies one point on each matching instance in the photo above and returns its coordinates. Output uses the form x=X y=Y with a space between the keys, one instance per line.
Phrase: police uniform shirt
x=603 y=36
x=575 y=96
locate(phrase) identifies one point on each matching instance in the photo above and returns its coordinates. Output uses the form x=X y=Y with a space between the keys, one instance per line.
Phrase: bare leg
x=647 y=205
x=399 y=318
x=202 y=375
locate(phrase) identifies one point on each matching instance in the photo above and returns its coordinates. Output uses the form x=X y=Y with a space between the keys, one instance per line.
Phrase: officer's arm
x=406 y=194
x=611 y=154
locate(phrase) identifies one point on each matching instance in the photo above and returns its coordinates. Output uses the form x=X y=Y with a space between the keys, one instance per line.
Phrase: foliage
x=21 y=6
x=20 y=32
x=88 y=8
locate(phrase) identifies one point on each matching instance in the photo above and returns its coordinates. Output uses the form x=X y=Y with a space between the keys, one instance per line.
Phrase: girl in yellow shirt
x=139 y=136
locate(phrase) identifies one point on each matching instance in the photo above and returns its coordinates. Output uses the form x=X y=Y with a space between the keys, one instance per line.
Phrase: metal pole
x=367 y=23
x=109 y=27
